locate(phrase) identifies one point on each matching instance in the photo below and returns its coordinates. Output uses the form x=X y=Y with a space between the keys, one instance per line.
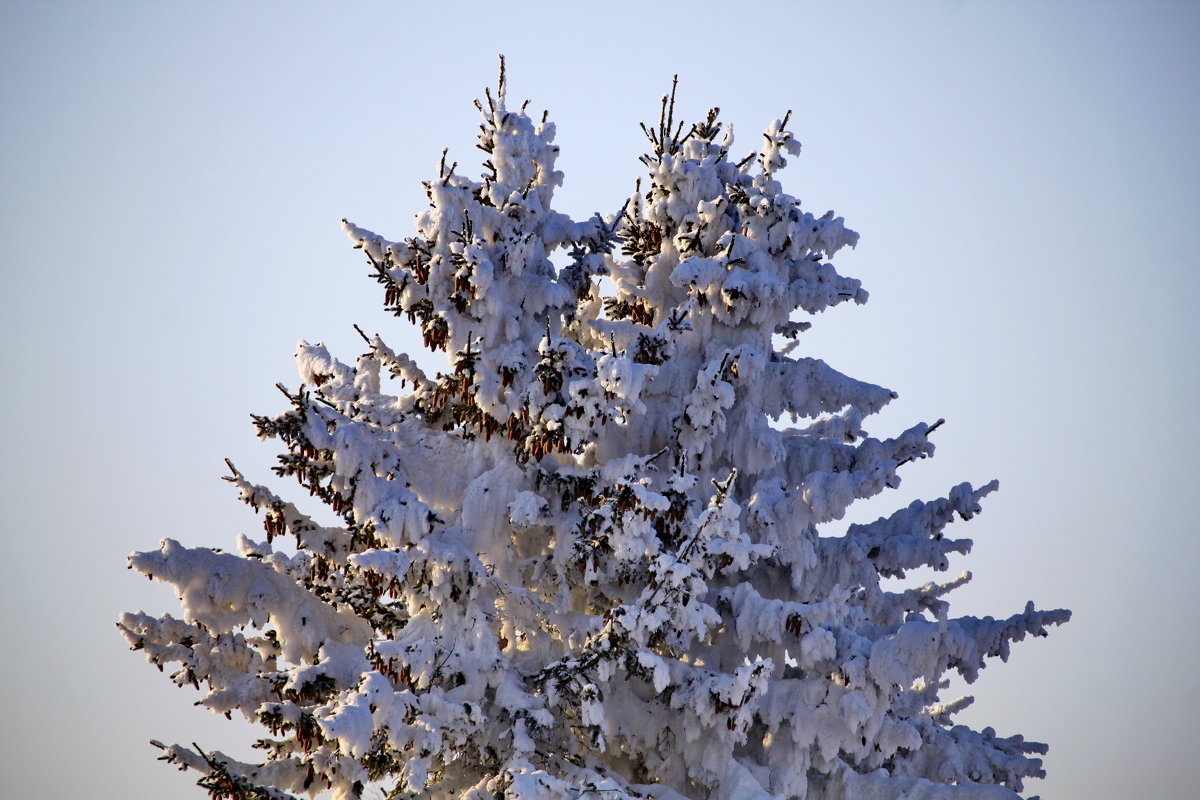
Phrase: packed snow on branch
x=589 y=558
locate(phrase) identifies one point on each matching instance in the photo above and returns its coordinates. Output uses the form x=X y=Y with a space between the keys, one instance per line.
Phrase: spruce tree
x=597 y=555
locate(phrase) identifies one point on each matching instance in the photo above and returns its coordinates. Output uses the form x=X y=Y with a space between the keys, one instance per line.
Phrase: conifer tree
x=591 y=558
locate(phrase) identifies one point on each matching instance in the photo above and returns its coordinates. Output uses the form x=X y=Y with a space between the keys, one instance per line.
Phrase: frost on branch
x=599 y=552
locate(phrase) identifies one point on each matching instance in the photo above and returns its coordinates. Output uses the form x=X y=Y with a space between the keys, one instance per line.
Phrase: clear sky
x=1024 y=176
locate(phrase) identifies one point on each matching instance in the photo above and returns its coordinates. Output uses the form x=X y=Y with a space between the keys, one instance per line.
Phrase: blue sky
x=1023 y=175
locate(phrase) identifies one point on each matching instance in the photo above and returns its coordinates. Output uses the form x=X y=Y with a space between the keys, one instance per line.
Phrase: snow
x=588 y=555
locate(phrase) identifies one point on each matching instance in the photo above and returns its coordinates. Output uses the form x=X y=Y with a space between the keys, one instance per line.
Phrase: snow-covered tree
x=589 y=559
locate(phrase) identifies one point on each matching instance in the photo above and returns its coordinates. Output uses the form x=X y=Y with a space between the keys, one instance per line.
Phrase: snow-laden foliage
x=588 y=558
